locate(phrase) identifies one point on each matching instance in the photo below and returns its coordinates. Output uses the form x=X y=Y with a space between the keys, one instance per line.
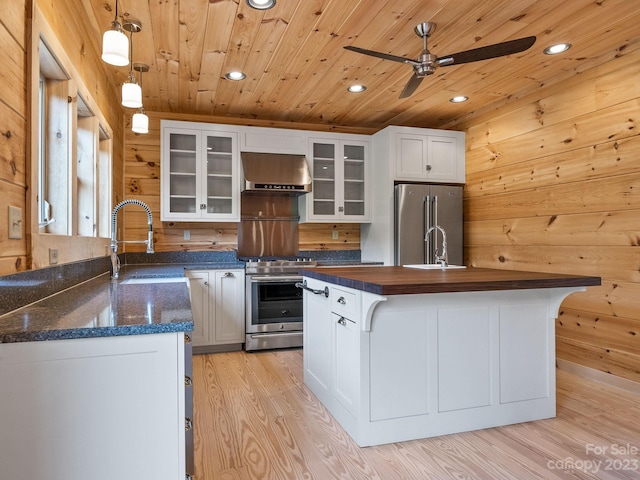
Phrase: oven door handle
x=303 y=285
x=273 y=278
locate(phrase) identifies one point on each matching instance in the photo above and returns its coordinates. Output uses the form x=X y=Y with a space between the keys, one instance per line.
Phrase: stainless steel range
x=274 y=303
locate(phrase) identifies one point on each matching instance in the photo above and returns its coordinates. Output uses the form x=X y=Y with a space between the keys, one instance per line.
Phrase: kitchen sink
x=147 y=280
x=434 y=266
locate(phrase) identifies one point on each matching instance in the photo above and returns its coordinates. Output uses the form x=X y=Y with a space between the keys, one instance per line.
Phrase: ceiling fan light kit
x=426 y=63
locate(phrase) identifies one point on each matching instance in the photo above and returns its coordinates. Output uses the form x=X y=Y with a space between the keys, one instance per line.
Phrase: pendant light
x=140 y=121
x=115 y=44
x=131 y=91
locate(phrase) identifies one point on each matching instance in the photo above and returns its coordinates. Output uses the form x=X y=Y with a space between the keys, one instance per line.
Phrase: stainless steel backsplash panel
x=268 y=226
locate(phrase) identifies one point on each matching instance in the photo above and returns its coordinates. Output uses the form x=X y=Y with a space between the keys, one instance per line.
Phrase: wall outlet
x=15 y=222
x=53 y=256
x=334 y=235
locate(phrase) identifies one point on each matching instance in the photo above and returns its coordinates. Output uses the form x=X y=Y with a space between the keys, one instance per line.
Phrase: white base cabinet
x=218 y=305
x=100 y=408
x=403 y=367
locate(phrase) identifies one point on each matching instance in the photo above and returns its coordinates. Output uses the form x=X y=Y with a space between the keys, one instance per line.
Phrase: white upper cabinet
x=273 y=140
x=200 y=174
x=425 y=155
x=339 y=166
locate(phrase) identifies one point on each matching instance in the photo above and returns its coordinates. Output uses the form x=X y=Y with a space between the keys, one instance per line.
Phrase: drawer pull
x=342 y=321
x=228 y=274
x=303 y=285
x=342 y=301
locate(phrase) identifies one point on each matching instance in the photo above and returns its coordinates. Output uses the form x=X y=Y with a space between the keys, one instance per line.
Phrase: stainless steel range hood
x=278 y=173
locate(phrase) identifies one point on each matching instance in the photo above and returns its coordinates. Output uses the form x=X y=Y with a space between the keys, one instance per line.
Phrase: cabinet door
x=201 y=297
x=220 y=176
x=354 y=181
x=180 y=169
x=229 y=307
x=411 y=156
x=442 y=161
x=317 y=346
x=324 y=173
x=346 y=361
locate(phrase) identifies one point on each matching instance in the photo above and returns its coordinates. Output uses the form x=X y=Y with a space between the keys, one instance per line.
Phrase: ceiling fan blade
x=384 y=56
x=413 y=83
x=485 y=53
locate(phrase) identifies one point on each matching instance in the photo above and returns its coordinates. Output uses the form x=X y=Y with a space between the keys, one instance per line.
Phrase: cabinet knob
x=428 y=168
x=187 y=338
x=342 y=301
x=203 y=206
x=228 y=274
x=188 y=424
x=206 y=283
x=187 y=381
x=342 y=321
x=341 y=209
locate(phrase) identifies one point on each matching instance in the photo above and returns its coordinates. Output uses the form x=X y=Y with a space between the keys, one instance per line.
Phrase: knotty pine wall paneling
x=553 y=184
x=13 y=132
x=142 y=181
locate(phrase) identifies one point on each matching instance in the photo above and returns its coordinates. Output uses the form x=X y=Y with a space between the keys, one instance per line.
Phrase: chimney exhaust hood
x=277 y=173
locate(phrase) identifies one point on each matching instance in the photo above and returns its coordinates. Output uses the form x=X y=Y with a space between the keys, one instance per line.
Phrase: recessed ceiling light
x=235 y=75
x=459 y=99
x=557 y=48
x=357 y=88
x=261 y=4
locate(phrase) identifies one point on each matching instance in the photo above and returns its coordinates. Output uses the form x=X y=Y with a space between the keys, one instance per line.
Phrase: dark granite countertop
x=103 y=307
x=403 y=280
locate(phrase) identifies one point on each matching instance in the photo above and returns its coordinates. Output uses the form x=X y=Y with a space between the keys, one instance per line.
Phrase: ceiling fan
x=427 y=62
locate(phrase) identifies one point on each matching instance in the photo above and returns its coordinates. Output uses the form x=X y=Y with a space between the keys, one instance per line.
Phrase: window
x=74 y=157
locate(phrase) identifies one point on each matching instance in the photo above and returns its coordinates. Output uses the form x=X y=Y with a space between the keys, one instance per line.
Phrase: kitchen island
x=93 y=381
x=398 y=353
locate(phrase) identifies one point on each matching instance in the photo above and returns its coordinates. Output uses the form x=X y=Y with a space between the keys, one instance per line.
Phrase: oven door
x=274 y=303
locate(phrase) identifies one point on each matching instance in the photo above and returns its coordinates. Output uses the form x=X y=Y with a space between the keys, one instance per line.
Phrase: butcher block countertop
x=383 y=280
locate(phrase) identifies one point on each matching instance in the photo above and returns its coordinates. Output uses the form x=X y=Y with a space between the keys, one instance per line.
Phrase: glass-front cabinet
x=199 y=173
x=339 y=167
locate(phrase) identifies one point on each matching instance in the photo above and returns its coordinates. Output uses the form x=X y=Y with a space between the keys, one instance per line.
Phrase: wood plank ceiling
x=298 y=71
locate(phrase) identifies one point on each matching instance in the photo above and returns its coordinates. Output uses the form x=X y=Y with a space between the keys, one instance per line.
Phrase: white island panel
x=465 y=351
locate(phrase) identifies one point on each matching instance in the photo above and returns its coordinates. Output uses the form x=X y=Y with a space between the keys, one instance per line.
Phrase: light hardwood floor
x=255 y=419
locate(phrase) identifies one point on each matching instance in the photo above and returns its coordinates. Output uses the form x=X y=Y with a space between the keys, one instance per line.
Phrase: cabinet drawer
x=344 y=302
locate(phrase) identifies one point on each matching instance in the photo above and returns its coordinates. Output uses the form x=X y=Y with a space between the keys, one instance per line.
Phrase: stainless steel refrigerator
x=419 y=207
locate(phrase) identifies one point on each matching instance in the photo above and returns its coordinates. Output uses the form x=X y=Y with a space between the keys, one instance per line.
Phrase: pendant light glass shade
x=131 y=94
x=115 y=47
x=140 y=122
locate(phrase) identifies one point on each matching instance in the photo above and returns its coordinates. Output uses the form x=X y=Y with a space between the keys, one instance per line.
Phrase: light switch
x=334 y=235
x=187 y=234
x=15 y=222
